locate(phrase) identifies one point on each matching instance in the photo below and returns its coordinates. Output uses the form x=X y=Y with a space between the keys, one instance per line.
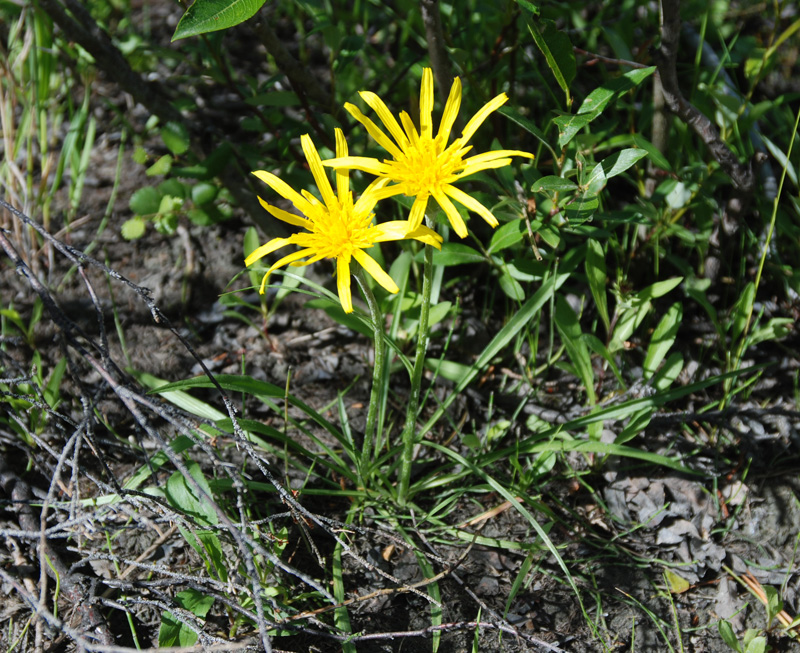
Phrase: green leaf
x=569 y=125
x=728 y=636
x=506 y=236
x=161 y=167
x=133 y=228
x=145 y=201
x=175 y=137
x=172 y=632
x=553 y=184
x=656 y=157
x=596 y=273
x=635 y=426
x=600 y=97
x=756 y=645
x=556 y=48
x=184 y=496
x=511 y=287
x=774 y=603
x=169 y=204
x=619 y=162
x=212 y=15
x=663 y=339
x=658 y=289
x=203 y=193
x=570 y=331
x=742 y=311
x=665 y=377
x=457 y=254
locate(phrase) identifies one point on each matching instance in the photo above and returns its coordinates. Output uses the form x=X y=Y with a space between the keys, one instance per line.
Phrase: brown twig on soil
x=92 y=622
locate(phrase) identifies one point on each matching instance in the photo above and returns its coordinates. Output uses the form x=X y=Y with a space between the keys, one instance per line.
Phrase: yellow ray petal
x=471 y=203
x=365 y=163
x=283 y=189
x=452 y=213
x=343 y=283
x=450 y=111
x=375 y=270
x=286 y=260
x=472 y=168
x=426 y=235
x=477 y=120
x=373 y=130
x=426 y=104
x=377 y=105
x=291 y=218
x=417 y=212
x=267 y=248
x=315 y=163
x=411 y=129
x=342 y=174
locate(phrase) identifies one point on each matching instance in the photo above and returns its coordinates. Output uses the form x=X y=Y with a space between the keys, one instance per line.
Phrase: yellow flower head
x=336 y=228
x=422 y=165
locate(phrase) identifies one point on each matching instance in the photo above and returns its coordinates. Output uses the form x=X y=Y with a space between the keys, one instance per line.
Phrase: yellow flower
x=422 y=164
x=336 y=228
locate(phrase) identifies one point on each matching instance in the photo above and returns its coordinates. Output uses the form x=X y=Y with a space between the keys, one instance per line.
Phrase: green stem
x=410 y=429
x=367 y=453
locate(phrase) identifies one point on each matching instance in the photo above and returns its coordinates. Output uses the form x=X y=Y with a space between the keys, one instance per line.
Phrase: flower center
x=339 y=231
x=426 y=166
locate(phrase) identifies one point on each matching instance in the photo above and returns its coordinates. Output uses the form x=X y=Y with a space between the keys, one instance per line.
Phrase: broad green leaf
x=457 y=254
x=133 y=228
x=570 y=331
x=212 y=15
x=663 y=339
x=175 y=137
x=581 y=210
x=172 y=632
x=553 y=184
x=619 y=162
x=203 y=193
x=145 y=201
x=756 y=645
x=511 y=287
x=506 y=236
x=569 y=125
x=774 y=604
x=595 y=265
x=599 y=98
x=556 y=48
x=658 y=289
x=665 y=377
x=161 y=167
x=184 y=496
x=728 y=636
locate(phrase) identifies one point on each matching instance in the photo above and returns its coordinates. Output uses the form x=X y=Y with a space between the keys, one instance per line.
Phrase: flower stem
x=367 y=452
x=410 y=429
